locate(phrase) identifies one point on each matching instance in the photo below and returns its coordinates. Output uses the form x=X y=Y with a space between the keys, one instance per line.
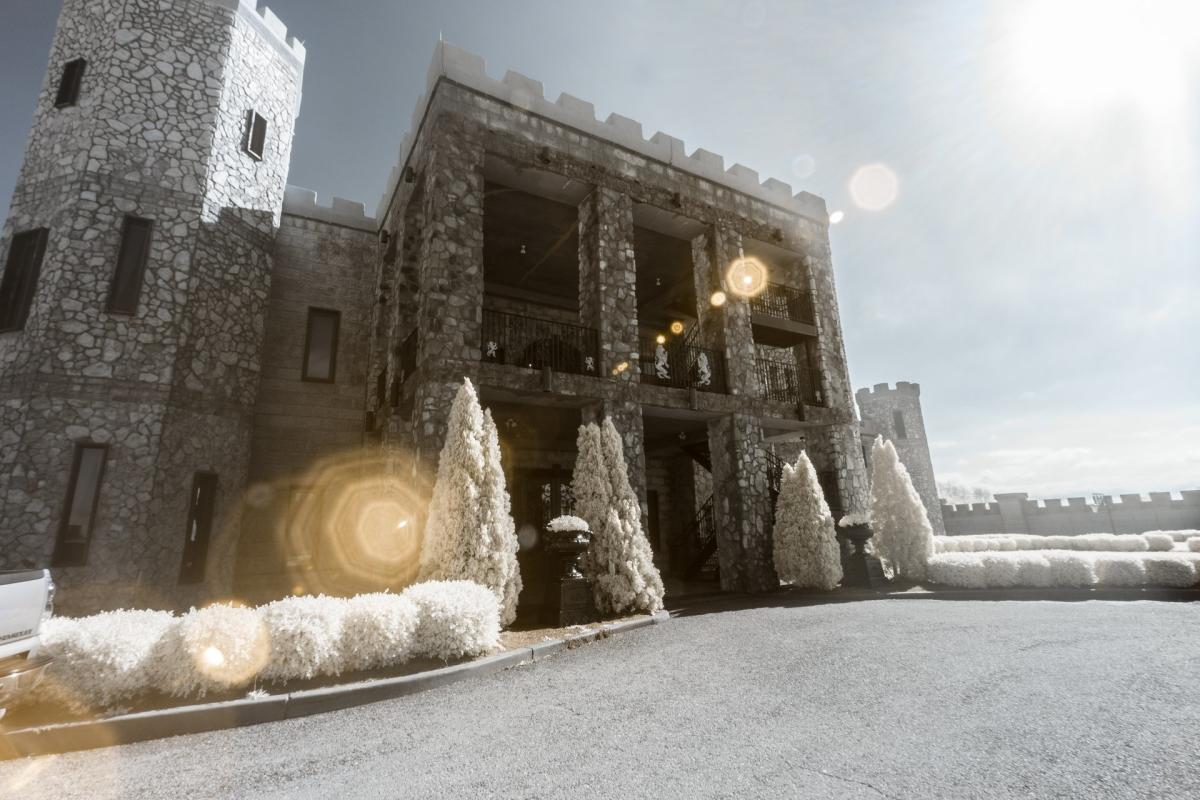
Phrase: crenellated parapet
x=299 y=202
x=1014 y=512
x=881 y=390
x=469 y=70
x=267 y=23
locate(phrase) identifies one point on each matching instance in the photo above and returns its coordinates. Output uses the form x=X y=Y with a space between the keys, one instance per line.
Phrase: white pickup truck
x=26 y=601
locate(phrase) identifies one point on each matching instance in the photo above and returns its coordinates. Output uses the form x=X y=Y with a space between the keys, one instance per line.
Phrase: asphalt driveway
x=891 y=698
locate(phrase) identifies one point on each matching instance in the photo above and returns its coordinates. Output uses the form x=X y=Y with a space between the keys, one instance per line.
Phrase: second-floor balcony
x=782 y=314
x=522 y=341
x=680 y=365
x=788 y=382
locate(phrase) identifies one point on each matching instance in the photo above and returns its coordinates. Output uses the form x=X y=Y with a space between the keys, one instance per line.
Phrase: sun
x=1079 y=55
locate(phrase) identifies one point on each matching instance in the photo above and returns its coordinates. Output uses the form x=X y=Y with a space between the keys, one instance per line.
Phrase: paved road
x=895 y=699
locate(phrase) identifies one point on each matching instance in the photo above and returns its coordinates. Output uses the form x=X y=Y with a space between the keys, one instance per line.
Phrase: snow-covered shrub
x=1001 y=570
x=568 y=523
x=999 y=542
x=957 y=569
x=1071 y=569
x=903 y=536
x=1114 y=570
x=378 y=631
x=1159 y=541
x=619 y=561
x=805 y=543
x=1034 y=570
x=101 y=660
x=456 y=618
x=305 y=635
x=1175 y=572
x=1194 y=544
x=212 y=649
x=469 y=533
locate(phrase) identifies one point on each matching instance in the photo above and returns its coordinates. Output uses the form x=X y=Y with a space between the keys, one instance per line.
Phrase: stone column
x=608 y=280
x=450 y=271
x=726 y=328
x=840 y=447
x=741 y=501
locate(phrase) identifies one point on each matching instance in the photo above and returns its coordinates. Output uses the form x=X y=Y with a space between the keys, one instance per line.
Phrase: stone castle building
x=895 y=414
x=193 y=354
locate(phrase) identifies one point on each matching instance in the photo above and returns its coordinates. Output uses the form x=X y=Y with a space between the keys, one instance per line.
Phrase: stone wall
x=170 y=387
x=1016 y=513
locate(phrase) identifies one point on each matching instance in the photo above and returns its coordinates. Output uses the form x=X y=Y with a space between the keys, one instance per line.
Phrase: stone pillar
x=742 y=503
x=725 y=328
x=1012 y=512
x=450 y=271
x=841 y=447
x=608 y=280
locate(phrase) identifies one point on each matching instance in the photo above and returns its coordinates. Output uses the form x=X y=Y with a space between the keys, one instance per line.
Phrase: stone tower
x=136 y=267
x=895 y=414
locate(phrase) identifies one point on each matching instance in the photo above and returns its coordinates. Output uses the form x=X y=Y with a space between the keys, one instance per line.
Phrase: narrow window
x=256 y=135
x=21 y=272
x=131 y=265
x=70 y=83
x=79 y=513
x=898 y=424
x=199 y=527
x=320 y=345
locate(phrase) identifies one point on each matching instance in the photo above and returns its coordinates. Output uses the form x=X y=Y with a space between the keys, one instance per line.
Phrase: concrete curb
x=146 y=725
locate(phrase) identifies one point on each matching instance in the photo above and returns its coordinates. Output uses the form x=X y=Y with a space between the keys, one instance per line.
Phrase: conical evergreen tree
x=805 y=541
x=903 y=537
x=469 y=533
x=620 y=561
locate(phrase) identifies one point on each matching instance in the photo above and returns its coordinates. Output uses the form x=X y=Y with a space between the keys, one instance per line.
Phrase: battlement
x=300 y=202
x=470 y=70
x=883 y=390
x=1014 y=512
x=269 y=25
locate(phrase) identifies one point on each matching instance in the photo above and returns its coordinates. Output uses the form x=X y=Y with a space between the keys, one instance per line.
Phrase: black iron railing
x=680 y=365
x=786 y=382
x=784 y=302
x=539 y=343
x=701 y=545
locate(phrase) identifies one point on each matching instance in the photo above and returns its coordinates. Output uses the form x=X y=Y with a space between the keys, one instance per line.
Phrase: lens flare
x=874 y=187
x=836 y=217
x=660 y=339
x=676 y=327
x=213 y=657
x=718 y=299
x=746 y=277
x=803 y=166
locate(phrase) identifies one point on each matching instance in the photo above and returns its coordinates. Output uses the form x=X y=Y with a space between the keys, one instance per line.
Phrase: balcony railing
x=784 y=302
x=682 y=366
x=786 y=382
x=538 y=343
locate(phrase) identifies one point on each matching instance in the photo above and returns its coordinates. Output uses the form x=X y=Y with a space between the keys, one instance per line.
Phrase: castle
x=188 y=343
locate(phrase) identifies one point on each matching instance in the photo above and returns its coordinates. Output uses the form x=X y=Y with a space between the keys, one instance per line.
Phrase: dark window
x=69 y=85
x=320 y=345
x=79 y=513
x=256 y=135
x=20 y=278
x=898 y=424
x=131 y=265
x=199 y=527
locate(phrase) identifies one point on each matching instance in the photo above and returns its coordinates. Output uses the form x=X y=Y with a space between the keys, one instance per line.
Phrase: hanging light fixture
x=676 y=327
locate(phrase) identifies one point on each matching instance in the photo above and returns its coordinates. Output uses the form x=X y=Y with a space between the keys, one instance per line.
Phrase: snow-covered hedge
x=979 y=543
x=457 y=618
x=1058 y=568
x=102 y=660
x=378 y=630
x=1194 y=544
x=108 y=659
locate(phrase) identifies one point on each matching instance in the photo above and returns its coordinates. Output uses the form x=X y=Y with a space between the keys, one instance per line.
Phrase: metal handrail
x=785 y=302
x=787 y=382
x=521 y=341
x=680 y=365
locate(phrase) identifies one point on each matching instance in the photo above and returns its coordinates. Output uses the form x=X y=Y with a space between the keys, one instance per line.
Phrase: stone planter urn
x=860 y=569
x=568 y=598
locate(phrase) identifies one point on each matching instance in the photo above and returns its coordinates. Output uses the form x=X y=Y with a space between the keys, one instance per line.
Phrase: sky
x=1025 y=240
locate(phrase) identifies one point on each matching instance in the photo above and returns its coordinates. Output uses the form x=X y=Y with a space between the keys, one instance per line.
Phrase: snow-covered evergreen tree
x=590 y=484
x=805 y=542
x=620 y=561
x=469 y=533
x=903 y=537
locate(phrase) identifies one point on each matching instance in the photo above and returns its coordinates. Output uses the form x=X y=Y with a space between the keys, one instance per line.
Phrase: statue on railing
x=661 y=367
x=703 y=370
